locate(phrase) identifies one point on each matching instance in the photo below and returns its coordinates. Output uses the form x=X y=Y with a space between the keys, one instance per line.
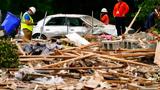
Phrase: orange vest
x=120 y=9
x=105 y=19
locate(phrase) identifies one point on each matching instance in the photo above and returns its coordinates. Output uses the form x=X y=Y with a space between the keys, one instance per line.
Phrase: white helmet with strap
x=33 y=9
x=104 y=10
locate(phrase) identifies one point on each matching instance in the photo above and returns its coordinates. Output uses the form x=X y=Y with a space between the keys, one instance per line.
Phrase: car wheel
x=37 y=35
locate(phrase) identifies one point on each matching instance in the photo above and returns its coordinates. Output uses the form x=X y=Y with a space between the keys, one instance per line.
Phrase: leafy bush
x=147 y=7
x=8 y=54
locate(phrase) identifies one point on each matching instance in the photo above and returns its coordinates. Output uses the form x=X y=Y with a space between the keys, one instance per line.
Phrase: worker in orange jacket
x=104 y=16
x=119 y=12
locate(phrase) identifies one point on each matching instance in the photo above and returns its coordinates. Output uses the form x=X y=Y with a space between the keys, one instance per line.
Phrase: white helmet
x=33 y=9
x=104 y=10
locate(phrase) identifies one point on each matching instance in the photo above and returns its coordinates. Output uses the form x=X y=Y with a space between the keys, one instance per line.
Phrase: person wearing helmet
x=104 y=16
x=119 y=12
x=27 y=24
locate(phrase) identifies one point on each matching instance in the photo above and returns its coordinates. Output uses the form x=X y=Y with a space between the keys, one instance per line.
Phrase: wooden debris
x=124 y=55
x=41 y=56
x=123 y=60
x=86 y=67
x=157 y=55
x=136 y=50
x=133 y=86
x=20 y=49
x=66 y=61
x=70 y=68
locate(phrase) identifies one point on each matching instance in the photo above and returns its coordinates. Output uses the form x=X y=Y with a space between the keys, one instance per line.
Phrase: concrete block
x=111 y=45
x=116 y=44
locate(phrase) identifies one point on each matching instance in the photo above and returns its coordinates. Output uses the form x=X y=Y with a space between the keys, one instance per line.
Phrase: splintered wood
x=85 y=67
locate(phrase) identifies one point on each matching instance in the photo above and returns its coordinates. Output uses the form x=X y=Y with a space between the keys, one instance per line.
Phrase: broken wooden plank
x=118 y=59
x=81 y=47
x=49 y=56
x=137 y=50
x=70 y=54
x=124 y=75
x=68 y=49
x=124 y=55
x=116 y=81
x=70 y=68
x=157 y=55
x=58 y=52
x=132 y=86
x=122 y=60
x=133 y=20
x=91 y=44
x=75 y=52
x=34 y=59
x=66 y=61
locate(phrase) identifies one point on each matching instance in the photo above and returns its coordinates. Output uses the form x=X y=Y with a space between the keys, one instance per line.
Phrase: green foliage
x=8 y=54
x=147 y=7
x=155 y=30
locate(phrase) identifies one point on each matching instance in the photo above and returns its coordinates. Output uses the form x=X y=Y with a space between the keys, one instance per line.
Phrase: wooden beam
x=68 y=49
x=124 y=75
x=136 y=50
x=34 y=59
x=81 y=47
x=116 y=81
x=91 y=44
x=123 y=60
x=70 y=68
x=41 y=56
x=124 y=55
x=130 y=25
x=133 y=86
x=118 y=59
x=66 y=61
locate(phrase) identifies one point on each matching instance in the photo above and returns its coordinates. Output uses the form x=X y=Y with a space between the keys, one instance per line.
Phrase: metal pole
x=43 y=25
x=0 y=17
x=92 y=22
x=19 y=31
x=66 y=21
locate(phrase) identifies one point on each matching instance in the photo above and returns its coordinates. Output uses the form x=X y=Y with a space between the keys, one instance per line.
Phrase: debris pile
x=132 y=41
x=86 y=66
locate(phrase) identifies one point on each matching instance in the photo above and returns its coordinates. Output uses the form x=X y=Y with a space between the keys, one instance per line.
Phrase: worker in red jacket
x=119 y=12
x=104 y=16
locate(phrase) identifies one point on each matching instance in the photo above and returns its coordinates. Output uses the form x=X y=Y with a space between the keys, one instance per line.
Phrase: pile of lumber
x=88 y=67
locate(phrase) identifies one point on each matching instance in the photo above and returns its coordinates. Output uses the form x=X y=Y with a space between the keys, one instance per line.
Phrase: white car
x=62 y=24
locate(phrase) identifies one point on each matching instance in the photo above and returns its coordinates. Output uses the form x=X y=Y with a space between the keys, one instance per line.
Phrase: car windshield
x=88 y=19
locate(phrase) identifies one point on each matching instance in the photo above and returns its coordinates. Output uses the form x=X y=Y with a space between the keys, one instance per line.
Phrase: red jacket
x=105 y=19
x=120 y=9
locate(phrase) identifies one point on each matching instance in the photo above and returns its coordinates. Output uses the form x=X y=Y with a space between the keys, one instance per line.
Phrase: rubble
x=36 y=48
x=49 y=80
x=88 y=67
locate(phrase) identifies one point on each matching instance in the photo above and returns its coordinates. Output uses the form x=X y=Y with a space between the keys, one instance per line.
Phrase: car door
x=76 y=25
x=56 y=26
